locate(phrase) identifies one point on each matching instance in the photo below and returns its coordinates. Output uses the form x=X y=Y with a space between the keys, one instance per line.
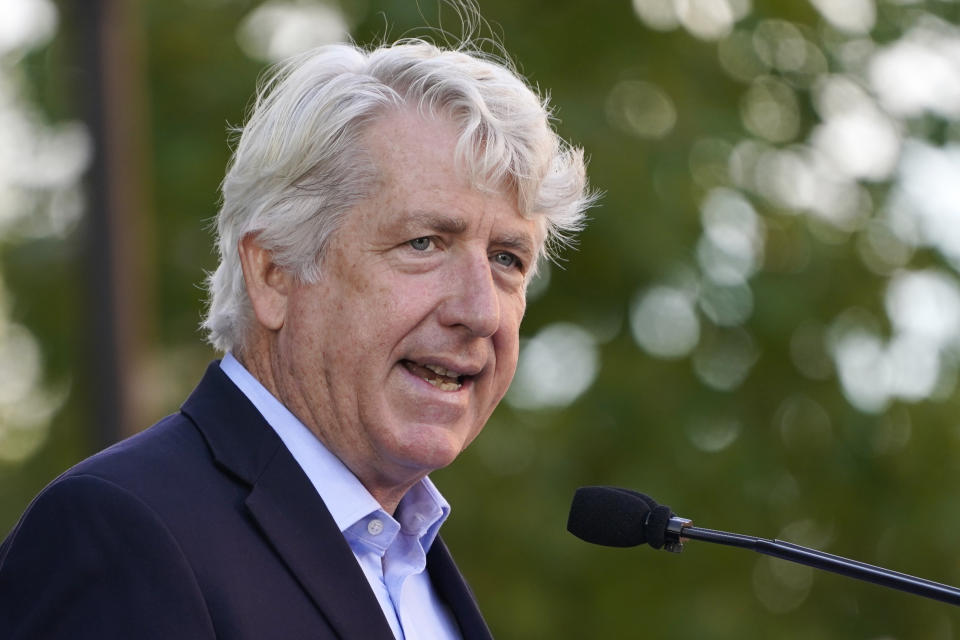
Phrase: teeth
x=440 y=377
x=441 y=371
x=443 y=385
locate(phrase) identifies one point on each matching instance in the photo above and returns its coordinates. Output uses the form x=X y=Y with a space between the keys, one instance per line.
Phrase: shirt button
x=375 y=527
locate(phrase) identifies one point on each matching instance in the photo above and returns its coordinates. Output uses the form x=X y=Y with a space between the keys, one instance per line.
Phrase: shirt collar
x=421 y=511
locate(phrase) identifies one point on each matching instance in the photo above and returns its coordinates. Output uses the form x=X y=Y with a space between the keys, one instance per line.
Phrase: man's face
x=401 y=351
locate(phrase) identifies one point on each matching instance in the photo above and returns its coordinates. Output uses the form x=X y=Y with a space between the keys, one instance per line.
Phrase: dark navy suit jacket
x=202 y=526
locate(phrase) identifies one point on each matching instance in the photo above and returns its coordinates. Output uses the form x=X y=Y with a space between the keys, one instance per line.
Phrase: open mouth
x=438 y=376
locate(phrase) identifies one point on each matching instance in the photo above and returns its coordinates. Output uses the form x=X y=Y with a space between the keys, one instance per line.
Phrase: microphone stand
x=680 y=529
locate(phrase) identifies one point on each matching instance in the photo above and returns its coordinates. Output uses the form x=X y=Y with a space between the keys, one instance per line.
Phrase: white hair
x=299 y=165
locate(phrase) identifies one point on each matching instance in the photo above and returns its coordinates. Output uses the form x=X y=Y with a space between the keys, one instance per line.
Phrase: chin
x=432 y=448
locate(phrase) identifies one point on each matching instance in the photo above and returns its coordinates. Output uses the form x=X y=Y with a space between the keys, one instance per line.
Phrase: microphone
x=616 y=517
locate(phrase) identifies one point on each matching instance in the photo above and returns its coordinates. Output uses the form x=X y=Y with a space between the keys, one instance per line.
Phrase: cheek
x=404 y=302
x=508 y=337
x=507 y=348
x=303 y=329
x=507 y=351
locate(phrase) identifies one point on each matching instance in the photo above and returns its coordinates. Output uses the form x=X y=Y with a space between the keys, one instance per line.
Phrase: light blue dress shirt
x=391 y=551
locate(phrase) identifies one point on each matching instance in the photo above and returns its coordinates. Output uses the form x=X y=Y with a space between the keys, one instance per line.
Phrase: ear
x=268 y=285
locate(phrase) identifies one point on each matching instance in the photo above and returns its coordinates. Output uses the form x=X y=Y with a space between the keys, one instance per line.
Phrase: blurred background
x=760 y=327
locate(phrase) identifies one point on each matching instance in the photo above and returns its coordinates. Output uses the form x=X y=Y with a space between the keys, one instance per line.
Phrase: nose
x=472 y=298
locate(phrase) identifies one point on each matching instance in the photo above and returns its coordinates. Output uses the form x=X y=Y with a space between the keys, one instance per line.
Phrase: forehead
x=418 y=177
x=415 y=153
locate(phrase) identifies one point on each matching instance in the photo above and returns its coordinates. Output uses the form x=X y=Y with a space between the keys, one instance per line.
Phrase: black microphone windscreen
x=655 y=525
x=609 y=516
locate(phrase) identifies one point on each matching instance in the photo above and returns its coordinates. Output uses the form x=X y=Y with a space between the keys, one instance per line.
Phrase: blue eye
x=421 y=244
x=505 y=259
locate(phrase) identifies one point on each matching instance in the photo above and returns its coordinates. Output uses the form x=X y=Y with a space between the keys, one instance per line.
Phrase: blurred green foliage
x=784 y=453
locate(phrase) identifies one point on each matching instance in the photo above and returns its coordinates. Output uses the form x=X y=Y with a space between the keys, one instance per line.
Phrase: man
x=382 y=216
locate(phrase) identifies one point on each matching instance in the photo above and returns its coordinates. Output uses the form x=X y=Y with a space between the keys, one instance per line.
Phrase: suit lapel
x=452 y=588
x=286 y=507
x=303 y=532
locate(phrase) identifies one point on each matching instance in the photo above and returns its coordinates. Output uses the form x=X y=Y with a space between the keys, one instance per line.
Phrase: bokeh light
x=770 y=110
x=804 y=425
x=641 y=109
x=26 y=24
x=924 y=203
x=556 y=366
x=731 y=248
x=920 y=71
x=856 y=137
x=664 y=322
x=725 y=305
x=723 y=360
x=704 y=19
x=277 y=30
x=852 y=16
x=714 y=434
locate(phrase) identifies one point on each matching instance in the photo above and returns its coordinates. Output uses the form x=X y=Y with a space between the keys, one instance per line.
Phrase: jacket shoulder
x=89 y=558
x=170 y=446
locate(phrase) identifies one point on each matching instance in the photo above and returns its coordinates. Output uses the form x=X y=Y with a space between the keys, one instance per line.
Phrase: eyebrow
x=437 y=222
x=521 y=244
